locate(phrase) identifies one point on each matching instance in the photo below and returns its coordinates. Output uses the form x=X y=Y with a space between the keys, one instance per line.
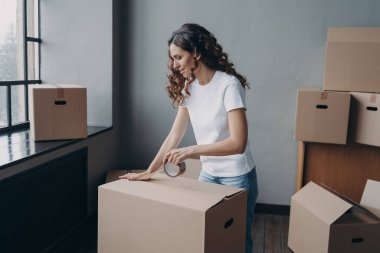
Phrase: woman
x=209 y=94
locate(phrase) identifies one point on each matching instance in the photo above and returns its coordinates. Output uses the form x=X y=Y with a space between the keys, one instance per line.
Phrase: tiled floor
x=270 y=235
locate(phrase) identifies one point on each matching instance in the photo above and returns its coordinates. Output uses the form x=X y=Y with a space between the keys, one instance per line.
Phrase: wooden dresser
x=344 y=168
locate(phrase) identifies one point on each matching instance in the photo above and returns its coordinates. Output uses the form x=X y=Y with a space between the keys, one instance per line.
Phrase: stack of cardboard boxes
x=345 y=111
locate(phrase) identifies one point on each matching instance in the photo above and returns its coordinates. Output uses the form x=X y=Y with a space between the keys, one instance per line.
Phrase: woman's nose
x=176 y=65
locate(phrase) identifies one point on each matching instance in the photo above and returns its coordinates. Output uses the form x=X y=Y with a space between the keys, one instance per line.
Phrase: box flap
x=55 y=86
x=322 y=203
x=323 y=93
x=309 y=89
x=355 y=206
x=43 y=86
x=370 y=198
x=353 y=34
x=179 y=191
x=353 y=203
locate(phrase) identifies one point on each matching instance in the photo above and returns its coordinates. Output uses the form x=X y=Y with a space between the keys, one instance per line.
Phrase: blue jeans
x=247 y=181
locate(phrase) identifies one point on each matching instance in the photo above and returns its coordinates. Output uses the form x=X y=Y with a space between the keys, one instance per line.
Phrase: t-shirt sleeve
x=234 y=96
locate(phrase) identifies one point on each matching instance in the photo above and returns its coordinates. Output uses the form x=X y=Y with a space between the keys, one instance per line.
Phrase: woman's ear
x=196 y=55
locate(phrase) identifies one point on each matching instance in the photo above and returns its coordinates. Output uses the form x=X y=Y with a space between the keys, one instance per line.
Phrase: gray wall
x=80 y=43
x=277 y=44
x=77 y=37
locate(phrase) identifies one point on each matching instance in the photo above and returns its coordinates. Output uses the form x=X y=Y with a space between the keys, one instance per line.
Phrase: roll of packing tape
x=174 y=170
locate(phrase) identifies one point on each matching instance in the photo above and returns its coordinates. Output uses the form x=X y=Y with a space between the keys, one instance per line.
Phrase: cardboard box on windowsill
x=57 y=112
x=323 y=221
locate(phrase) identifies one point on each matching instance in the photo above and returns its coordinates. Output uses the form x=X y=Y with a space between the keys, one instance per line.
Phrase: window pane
x=3 y=106
x=32 y=7
x=18 y=103
x=11 y=40
x=33 y=61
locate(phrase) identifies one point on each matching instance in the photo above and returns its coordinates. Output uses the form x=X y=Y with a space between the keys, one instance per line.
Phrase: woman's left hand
x=178 y=155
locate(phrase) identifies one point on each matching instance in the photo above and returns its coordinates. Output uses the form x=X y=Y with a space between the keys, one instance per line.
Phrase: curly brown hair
x=195 y=38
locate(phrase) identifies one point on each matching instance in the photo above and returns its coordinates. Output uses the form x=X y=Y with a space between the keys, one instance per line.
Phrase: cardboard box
x=365 y=118
x=322 y=116
x=323 y=221
x=193 y=169
x=57 y=112
x=352 y=59
x=170 y=215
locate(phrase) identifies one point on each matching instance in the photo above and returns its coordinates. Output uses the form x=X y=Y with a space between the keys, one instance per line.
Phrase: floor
x=270 y=235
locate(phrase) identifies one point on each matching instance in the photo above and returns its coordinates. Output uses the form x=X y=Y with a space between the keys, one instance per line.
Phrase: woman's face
x=183 y=61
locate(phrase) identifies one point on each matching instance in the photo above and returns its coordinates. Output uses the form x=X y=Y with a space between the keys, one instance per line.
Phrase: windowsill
x=17 y=146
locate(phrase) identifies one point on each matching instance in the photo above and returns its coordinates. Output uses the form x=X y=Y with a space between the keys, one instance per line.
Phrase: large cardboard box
x=170 y=215
x=57 y=112
x=352 y=59
x=365 y=118
x=321 y=221
x=322 y=116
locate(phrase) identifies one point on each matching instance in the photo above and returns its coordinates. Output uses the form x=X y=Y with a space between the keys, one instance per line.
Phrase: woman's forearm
x=172 y=141
x=221 y=148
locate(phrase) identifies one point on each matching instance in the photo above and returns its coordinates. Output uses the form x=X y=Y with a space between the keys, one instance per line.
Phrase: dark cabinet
x=43 y=204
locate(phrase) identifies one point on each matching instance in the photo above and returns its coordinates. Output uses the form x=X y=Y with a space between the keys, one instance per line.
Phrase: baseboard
x=272 y=209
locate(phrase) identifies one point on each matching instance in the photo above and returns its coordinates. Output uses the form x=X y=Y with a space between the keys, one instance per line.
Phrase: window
x=20 y=45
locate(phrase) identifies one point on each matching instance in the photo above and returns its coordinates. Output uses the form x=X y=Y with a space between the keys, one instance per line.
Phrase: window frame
x=26 y=82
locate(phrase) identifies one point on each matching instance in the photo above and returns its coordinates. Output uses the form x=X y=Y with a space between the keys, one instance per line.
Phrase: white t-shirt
x=208 y=106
